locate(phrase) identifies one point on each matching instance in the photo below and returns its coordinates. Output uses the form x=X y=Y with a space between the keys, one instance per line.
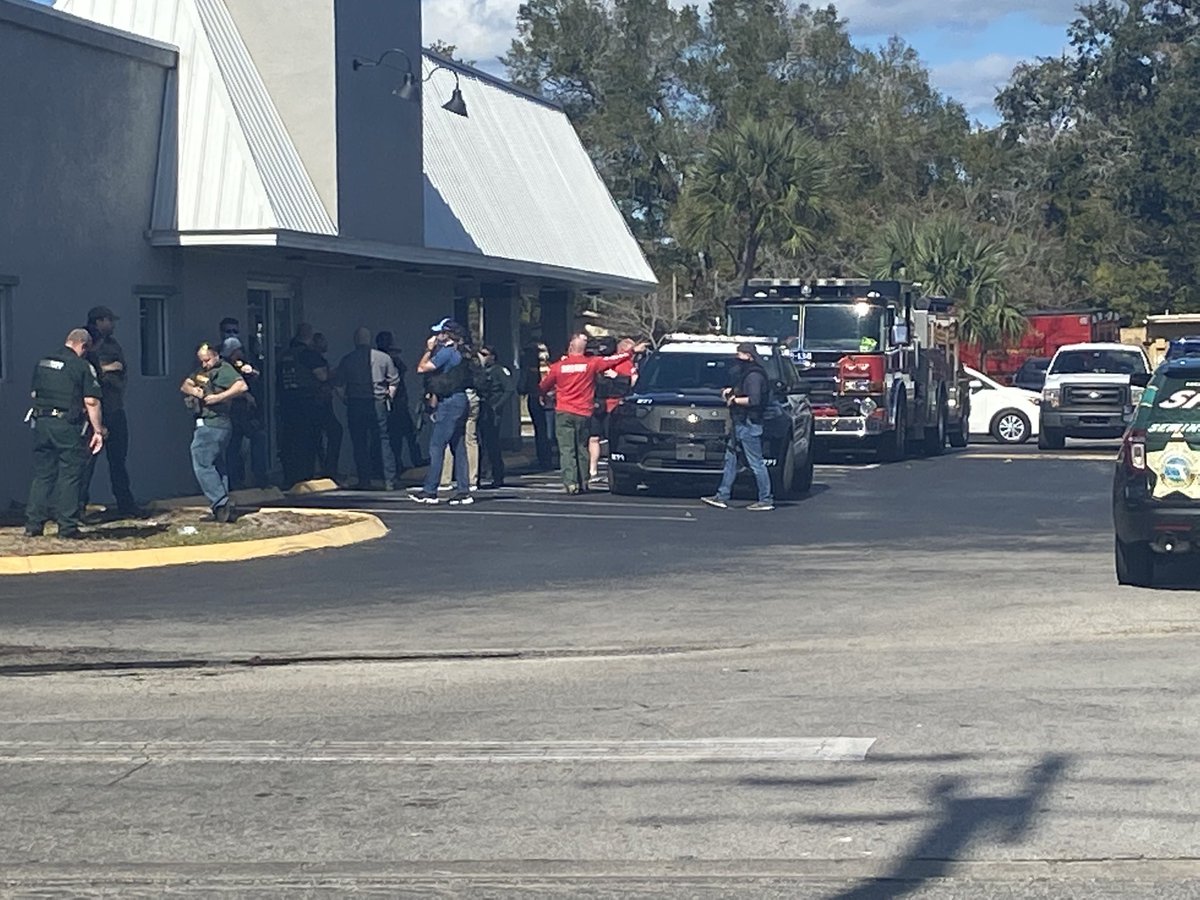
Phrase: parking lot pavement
x=920 y=679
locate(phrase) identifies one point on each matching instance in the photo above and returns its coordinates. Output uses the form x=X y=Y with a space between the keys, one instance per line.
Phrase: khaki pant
x=472 y=445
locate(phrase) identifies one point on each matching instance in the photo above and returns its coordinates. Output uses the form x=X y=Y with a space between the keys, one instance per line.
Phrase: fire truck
x=881 y=363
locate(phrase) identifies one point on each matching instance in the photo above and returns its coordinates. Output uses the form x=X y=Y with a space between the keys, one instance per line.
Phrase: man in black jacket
x=746 y=400
x=495 y=387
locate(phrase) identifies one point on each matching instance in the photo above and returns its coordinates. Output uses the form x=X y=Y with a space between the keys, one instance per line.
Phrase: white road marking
x=1024 y=457
x=800 y=749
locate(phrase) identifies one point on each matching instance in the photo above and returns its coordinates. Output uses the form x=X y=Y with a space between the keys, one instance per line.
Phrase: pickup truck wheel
x=1010 y=426
x=1051 y=439
x=1135 y=563
x=621 y=484
x=958 y=436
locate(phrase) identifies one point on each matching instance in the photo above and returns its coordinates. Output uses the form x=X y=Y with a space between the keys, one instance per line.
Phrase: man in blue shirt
x=448 y=374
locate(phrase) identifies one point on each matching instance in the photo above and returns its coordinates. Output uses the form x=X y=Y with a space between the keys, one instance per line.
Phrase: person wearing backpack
x=494 y=382
x=747 y=399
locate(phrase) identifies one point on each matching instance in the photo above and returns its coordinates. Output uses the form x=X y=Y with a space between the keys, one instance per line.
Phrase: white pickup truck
x=1091 y=391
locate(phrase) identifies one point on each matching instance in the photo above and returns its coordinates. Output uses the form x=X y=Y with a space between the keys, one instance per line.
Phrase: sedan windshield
x=1098 y=362
x=692 y=371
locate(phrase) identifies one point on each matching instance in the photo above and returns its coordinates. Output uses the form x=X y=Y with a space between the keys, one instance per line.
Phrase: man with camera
x=448 y=374
x=209 y=393
x=746 y=399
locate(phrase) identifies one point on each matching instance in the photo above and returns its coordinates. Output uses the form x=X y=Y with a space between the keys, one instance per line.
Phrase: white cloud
x=906 y=16
x=975 y=82
x=482 y=30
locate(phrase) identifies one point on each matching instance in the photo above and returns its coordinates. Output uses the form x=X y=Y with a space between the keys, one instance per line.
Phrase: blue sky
x=970 y=46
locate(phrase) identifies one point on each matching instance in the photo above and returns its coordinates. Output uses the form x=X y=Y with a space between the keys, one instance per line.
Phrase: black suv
x=1156 y=488
x=675 y=425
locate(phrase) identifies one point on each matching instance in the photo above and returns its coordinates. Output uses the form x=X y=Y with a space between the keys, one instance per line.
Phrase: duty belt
x=53 y=413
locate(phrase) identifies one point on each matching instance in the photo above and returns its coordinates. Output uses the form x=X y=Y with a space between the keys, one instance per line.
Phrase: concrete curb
x=358 y=528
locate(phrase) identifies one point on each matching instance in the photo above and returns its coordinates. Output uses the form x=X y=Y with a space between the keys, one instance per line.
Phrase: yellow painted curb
x=358 y=528
x=315 y=486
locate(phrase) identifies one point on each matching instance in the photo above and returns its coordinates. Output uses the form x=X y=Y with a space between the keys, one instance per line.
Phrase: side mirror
x=975 y=385
x=1139 y=379
x=899 y=335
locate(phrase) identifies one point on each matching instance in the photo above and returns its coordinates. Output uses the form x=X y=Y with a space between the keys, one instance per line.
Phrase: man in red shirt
x=573 y=379
x=612 y=386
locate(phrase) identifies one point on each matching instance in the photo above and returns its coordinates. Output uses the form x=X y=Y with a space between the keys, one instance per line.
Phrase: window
x=153 y=311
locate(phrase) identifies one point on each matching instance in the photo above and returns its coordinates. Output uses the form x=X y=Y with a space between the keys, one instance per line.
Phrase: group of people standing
x=77 y=410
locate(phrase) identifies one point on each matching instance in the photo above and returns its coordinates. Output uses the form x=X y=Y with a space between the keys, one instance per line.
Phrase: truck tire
x=893 y=446
x=783 y=475
x=935 y=437
x=804 y=473
x=1135 y=563
x=1051 y=439
x=621 y=484
x=1010 y=426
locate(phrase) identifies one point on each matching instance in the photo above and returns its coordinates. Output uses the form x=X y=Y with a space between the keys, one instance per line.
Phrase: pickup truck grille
x=1094 y=395
x=673 y=425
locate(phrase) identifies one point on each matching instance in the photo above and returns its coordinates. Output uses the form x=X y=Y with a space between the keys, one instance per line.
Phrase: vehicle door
x=984 y=400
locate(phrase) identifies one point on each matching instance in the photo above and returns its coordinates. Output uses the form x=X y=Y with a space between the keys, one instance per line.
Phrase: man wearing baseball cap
x=108 y=359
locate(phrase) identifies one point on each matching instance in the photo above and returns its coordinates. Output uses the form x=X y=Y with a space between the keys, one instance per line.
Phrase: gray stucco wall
x=381 y=194
x=292 y=44
x=77 y=164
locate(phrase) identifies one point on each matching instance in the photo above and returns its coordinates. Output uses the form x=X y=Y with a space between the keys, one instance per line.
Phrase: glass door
x=272 y=312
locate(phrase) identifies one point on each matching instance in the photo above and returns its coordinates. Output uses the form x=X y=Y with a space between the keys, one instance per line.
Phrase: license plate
x=689 y=452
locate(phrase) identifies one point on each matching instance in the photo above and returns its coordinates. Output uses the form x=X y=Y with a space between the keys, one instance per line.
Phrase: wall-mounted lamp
x=408 y=87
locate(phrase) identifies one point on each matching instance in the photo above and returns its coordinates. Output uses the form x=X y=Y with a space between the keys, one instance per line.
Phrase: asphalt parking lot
x=920 y=679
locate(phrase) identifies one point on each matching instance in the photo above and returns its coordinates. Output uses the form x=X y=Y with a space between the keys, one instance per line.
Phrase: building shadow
x=959 y=821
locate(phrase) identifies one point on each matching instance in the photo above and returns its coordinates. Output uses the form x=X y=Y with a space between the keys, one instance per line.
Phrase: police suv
x=675 y=425
x=1156 y=487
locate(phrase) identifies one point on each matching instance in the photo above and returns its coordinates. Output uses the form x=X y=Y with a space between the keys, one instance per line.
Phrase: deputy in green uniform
x=65 y=393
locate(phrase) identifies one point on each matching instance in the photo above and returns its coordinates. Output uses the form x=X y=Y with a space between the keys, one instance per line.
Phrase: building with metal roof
x=276 y=161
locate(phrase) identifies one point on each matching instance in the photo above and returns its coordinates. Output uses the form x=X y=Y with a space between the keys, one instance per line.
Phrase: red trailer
x=1048 y=330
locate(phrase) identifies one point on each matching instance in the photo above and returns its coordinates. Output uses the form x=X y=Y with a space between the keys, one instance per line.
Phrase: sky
x=970 y=46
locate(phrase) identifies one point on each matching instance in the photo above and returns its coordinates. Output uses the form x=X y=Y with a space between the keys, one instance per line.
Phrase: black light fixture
x=408 y=88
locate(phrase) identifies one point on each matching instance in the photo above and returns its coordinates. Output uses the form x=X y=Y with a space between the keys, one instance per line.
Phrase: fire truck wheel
x=893 y=445
x=1010 y=426
x=935 y=437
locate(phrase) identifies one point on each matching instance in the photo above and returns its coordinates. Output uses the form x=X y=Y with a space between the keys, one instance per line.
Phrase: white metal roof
x=513 y=181
x=235 y=168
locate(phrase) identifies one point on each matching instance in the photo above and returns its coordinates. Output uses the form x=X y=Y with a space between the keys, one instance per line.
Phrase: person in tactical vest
x=108 y=359
x=299 y=372
x=495 y=386
x=402 y=431
x=448 y=375
x=747 y=398
x=66 y=395
x=209 y=393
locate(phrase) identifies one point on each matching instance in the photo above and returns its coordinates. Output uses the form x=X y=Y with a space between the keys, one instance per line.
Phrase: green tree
x=759 y=182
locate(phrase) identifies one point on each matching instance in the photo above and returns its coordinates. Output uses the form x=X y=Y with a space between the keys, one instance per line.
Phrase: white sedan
x=1008 y=414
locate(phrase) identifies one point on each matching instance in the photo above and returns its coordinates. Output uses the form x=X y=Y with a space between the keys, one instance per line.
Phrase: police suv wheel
x=1134 y=563
x=1010 y=426
x=621 y=484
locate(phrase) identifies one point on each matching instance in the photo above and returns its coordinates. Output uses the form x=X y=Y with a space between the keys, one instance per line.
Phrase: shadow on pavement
x=960 y=820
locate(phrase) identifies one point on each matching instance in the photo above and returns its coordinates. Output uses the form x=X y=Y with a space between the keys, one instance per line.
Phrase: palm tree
x=759 y=183
x=948 y=261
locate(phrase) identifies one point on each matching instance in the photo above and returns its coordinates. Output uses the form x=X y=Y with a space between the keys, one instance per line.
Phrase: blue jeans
x=749 y=436
x=449 y=430
x=209 y=445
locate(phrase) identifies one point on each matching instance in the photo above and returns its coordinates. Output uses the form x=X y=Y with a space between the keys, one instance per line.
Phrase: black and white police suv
x=675 y=426
x=1156 y=487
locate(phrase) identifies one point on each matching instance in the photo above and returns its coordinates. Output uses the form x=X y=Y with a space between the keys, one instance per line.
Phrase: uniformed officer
x=65 y=387
x=108 y=359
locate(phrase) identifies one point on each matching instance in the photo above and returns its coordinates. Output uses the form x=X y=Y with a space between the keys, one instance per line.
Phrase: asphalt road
x=921 y=680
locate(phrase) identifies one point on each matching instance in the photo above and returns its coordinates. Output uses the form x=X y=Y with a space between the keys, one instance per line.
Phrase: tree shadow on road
x=960 y=820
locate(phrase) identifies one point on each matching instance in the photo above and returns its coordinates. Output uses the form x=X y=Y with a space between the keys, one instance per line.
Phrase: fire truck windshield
x=780 y=321
x=848 y=327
